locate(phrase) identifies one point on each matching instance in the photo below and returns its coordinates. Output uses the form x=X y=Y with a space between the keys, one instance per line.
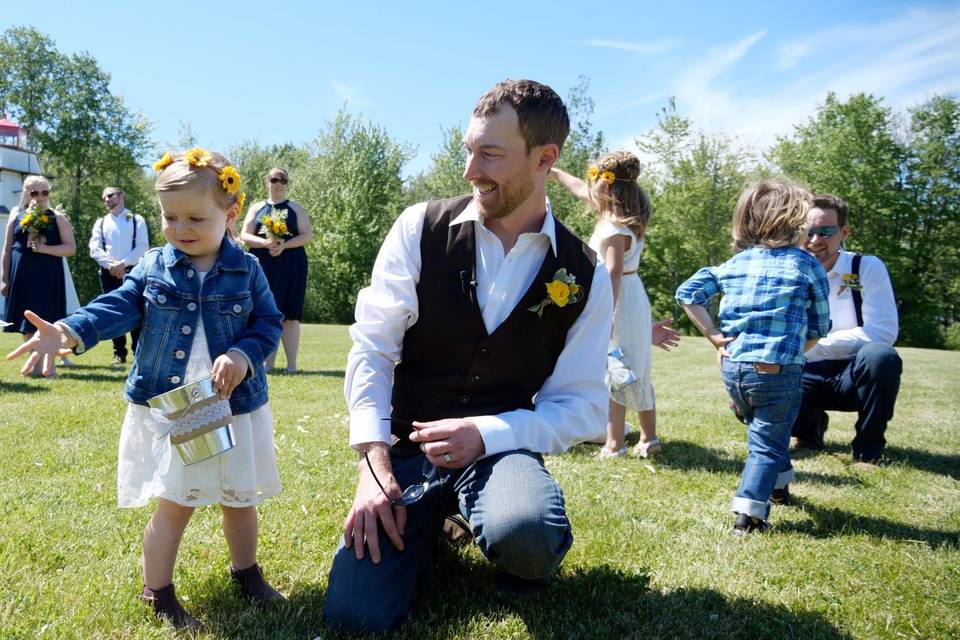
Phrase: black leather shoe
x=745 y=525
x=781 y=496
x=167 y=607
x=254 y=586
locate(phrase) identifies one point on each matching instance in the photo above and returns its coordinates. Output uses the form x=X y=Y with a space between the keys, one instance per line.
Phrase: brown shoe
x=167 y=607
x=255 y=587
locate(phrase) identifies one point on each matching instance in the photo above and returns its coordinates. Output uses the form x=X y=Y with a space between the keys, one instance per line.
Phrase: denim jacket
x=162 y=295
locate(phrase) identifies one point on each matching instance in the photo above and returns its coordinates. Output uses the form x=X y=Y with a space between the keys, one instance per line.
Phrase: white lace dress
x=632 y=321
x=149 y=467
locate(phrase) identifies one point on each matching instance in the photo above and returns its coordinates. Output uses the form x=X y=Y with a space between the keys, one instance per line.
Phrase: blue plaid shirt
x=774 y=300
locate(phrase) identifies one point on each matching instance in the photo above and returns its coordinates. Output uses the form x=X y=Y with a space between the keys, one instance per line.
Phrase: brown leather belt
x=629 y=273
x=766 y=367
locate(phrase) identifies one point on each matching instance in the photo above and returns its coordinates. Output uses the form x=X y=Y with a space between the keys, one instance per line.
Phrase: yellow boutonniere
x=561 y=291
x=163 y=162
x=850 y=281
x=593 y=173
x=230 y=179
x=197 y=157
x=608 y=176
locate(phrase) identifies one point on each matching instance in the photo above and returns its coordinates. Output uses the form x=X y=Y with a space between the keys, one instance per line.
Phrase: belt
x=629 y=273
x=766 y=367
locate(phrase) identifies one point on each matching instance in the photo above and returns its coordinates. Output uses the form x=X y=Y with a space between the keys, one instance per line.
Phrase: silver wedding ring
x=447 y=458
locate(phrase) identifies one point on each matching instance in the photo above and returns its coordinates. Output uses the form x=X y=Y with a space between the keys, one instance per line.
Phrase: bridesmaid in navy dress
x=31 y=270
x=282 y=257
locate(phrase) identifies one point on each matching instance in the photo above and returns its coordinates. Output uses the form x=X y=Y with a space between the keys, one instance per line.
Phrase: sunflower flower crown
x=595 y=173
x=198 y=157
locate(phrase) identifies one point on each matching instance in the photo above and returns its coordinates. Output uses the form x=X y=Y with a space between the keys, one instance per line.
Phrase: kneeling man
x=479 y=345
x=855 y=368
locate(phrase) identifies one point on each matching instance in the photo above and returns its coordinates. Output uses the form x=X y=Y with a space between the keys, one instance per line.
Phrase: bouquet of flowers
x=273 y=225
x=34 y=221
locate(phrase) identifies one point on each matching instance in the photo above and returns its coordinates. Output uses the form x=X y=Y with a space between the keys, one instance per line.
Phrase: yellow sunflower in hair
x=163 y=162
x=241 y=199
x=230 y=179
x=593 y=173
x=608 y=176
x=197 y=157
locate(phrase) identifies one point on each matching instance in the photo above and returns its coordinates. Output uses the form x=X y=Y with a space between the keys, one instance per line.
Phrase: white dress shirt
x=571 y=402
x=117 y=231
x=880 y=322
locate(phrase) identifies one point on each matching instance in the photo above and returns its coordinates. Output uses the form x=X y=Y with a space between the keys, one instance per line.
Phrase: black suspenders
x=856 y=293
x=103 y=241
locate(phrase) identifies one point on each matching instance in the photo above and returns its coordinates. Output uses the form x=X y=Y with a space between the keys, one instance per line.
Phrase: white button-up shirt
x=117 y=235
x=570 y=407
x=880 y=322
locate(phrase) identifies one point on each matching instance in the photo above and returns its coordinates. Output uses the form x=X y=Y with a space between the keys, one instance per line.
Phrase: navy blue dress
x=286 y=273
x=36 y=279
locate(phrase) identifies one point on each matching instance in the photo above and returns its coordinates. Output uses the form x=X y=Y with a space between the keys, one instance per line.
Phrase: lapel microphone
x=467 y=284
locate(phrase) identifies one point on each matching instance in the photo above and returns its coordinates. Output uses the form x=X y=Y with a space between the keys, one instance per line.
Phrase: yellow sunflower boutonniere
x=850 y=281
x=230 y=179
x=561 y=291
x=163 y=162
x=197 y=157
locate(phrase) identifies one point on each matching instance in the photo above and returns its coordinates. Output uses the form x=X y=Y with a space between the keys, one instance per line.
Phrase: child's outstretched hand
x=665 y=336
x=228 y=371
x=47 y=342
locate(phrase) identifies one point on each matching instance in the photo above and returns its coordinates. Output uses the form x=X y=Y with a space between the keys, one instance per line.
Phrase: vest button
x=192 y=306
x=484 y=351
x=476 y=378
x=175 y=379
x=464 y=399
x=186 y=330
x=179 y=354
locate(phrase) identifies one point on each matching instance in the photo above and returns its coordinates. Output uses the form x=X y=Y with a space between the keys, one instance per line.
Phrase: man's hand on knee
x=452 y=443
x=370 y=505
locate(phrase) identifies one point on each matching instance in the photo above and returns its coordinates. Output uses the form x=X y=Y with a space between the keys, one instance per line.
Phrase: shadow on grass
x=940 y=463
x=600 y=602
x=119 y=375
x=827 y=522
x=307 y=373
x=23 y=387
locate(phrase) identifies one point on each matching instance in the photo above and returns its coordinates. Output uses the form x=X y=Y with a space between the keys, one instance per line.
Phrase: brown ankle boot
x=167 y=607
x=255 y=587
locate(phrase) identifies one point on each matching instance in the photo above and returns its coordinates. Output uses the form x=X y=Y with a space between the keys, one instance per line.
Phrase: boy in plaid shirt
x=773 y=309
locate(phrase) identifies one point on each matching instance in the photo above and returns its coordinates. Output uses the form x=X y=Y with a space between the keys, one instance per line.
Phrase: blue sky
x=277 y=72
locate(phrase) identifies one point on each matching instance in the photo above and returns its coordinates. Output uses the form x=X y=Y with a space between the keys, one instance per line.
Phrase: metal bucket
x=201 y=422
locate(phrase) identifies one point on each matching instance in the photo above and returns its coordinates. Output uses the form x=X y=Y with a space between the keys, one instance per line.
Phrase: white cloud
x=346 y=93
x=905 y=60
x=641 y=48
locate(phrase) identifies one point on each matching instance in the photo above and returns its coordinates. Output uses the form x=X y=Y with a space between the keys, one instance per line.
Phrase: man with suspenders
x=117 y=242
x=854 y=368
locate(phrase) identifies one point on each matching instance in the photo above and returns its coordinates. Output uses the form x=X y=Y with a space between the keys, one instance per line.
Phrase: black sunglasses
x=110 y=195
x=414 y=492
x=34 y=194
x=826 y=231
x=276 y=180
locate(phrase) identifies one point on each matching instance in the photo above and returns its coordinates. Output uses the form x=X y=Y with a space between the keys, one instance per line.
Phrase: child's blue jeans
x=769 y=402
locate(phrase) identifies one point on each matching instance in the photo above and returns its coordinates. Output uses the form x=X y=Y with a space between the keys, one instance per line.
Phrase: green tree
x=693 y=180
x=902 y=195
x=444 y=178
x=582 y=145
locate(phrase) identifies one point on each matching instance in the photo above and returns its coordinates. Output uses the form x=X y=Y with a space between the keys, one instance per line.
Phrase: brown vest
x=451 y=367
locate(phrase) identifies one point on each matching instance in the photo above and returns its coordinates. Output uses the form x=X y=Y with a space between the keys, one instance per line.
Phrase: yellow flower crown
x=594 y=173
x=197 y=157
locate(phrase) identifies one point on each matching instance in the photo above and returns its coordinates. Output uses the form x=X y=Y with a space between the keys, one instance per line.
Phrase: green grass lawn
x=866 y=553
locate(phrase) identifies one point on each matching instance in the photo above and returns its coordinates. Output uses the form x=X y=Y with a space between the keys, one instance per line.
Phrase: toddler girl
x=205 y=310
x=623 y=213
